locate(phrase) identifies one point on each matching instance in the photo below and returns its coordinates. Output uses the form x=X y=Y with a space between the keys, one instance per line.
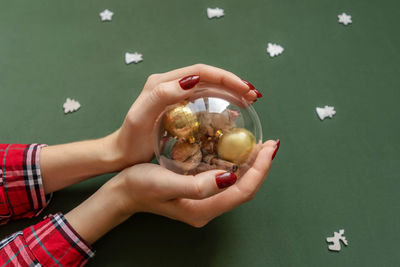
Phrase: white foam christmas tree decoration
x=344 y=18
x=215 y=12
x=133 y=58
x=324 y=112
x=106 y=15
x=71 y=105
x=274 y=49
x=335 y=239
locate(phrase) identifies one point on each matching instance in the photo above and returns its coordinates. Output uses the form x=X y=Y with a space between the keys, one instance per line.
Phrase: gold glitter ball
x=181 y=122
x=236 y=145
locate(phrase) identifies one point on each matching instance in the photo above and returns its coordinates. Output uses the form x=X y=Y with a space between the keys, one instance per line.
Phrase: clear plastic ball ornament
x=213 y=129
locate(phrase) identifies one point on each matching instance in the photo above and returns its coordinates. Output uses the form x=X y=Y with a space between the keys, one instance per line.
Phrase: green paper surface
x=340 y=173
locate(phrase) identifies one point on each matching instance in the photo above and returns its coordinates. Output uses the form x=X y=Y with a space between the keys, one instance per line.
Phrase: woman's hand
x=194 y=200
x=133 y=142
x=147 y=187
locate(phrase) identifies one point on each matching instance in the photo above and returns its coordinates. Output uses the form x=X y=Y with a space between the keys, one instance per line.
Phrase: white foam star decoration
x=274 y=49
x=215 y=12
x=71 y=105
x=335 y=239
x=326 y=111
x=344 y=18
x=133 y=57
x=106 y=15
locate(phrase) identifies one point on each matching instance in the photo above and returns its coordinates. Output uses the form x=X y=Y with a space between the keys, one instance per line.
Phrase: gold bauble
x=181 y=122
x=236 y=145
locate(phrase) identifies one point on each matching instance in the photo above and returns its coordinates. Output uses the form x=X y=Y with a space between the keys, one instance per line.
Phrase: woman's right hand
x=147 y=187
x=194 y=200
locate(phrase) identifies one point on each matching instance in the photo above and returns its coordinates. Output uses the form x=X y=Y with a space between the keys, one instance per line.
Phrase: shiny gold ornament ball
x=236 y=145
x=181 y=122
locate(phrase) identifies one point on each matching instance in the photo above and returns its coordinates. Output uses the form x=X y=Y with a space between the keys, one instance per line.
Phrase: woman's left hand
x=67 y=164
x=133 y=142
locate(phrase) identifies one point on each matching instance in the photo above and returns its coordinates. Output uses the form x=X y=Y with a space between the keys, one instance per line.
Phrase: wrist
x=100 y=213
x=116 y=198
x=111 y=152
x=125 y=199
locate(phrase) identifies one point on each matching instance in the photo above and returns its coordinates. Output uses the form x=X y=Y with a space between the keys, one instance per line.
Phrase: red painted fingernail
x=189 y=81
x=258 y=93
x=249 y=85
x=225 y=179
x=253 y=88
x=278 y=143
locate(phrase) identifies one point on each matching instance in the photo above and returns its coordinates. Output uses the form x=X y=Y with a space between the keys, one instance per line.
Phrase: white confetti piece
x=335 y=239
x=215 y=12
x=344 y=18
x=106 y=15
x=274 y=49
x=326 y=111
x=71 y=105
x=133 y=58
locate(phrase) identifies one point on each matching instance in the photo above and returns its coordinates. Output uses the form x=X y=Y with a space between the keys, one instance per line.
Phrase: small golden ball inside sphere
x=236 y=145
x=181 y=122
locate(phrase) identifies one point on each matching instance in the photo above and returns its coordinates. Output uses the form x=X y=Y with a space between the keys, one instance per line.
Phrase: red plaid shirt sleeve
x=21 y=187
x=51 y=242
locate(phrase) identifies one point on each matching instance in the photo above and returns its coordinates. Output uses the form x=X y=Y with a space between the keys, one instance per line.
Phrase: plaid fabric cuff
x=53 y=242
x=21 y=187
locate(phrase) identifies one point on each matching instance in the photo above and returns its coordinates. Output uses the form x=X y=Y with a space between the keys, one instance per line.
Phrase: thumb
x=200 y=186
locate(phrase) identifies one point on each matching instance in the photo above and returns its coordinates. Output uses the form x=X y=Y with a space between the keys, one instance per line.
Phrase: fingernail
x=278 y=143
x=249 y=85
x=189 y=82
x=257 y=93
x=253 y=88
x=225 y=179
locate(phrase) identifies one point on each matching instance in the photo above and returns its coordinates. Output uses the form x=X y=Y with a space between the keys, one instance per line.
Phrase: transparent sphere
x=213 y=129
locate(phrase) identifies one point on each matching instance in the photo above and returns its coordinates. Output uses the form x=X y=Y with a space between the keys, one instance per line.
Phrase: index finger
x=208 y=74
x=248 y=185
x=255 y=176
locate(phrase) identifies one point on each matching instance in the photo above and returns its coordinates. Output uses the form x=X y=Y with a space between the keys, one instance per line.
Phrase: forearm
x=100 y=213
x=67 y=164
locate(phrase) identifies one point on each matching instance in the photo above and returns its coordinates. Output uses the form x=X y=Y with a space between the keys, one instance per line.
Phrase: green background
x=328 y=175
